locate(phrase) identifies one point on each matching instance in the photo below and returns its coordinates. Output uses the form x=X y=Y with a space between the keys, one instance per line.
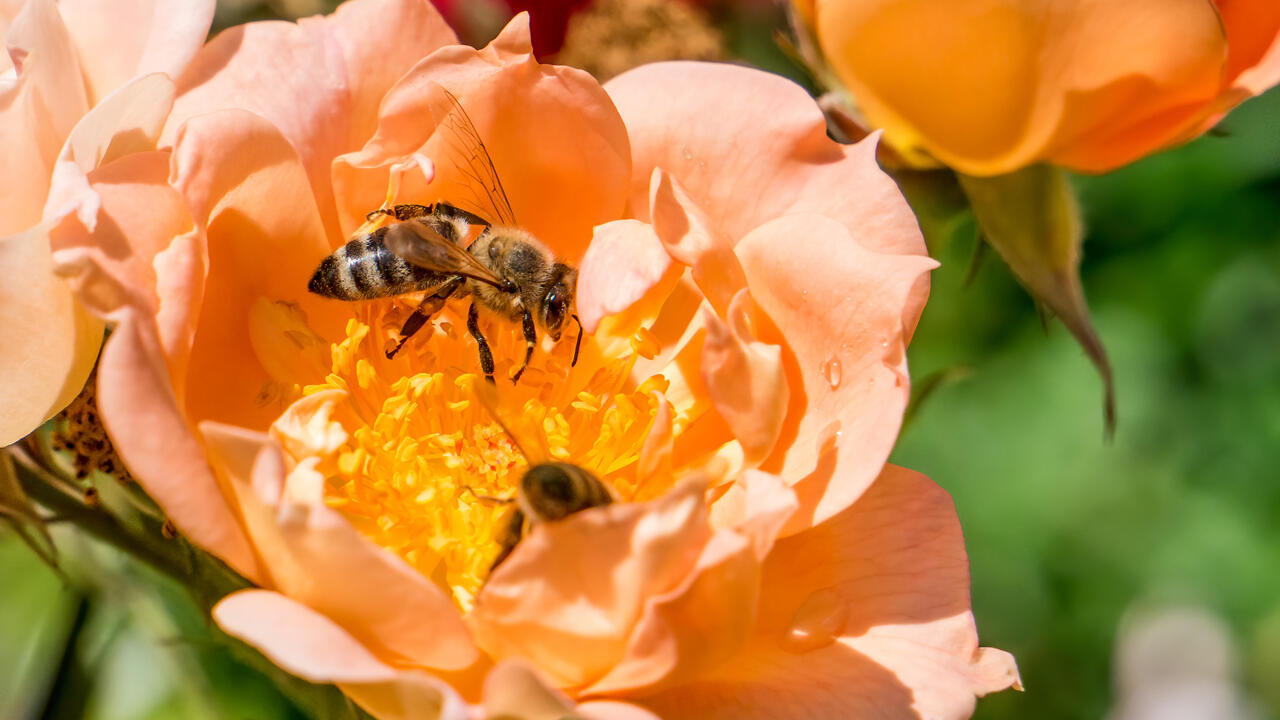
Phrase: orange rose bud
x=990 y=86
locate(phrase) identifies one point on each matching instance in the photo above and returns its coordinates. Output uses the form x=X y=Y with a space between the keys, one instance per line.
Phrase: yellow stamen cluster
x=428 y=472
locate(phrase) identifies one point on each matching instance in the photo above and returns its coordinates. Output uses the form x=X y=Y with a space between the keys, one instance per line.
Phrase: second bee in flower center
x=426 y=469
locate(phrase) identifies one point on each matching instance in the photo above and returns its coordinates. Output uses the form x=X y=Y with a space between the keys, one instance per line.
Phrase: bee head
x=554 y=491
x=557 y=304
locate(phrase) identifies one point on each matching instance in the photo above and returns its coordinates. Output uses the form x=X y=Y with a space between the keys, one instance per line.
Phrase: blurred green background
x=1067 y=534
x=1070 y=538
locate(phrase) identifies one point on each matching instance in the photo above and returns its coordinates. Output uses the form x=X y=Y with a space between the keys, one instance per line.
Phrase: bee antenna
x=577 y=345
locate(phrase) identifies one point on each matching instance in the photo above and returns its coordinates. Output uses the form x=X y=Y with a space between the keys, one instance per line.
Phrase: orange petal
x=513 y=690
x=550 y=605
x=556 y=141
x=318 y=81
x=696 y=625
x=624 y=262
x=1051 y=76
x=250 y=197
x=48 y=342
x=613 y=710
x=745 y=379
x=128 y=121
x=655 y=455
x=123 y=39
x=838 y=308
x=305 y=643
x=1253 y=43
x=380 y=41
x=307 y=428
x=708 y=617
x=112 y=270
x=749 y=146
x=756 y=506
x=866 y=615
x=37 y=111
x=311 y=554
x=687 y=234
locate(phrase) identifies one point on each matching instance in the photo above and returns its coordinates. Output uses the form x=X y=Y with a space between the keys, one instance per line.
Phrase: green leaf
x=1032 y=219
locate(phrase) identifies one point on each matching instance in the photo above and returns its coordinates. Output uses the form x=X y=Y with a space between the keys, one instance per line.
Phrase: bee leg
x=449 y=212
x=511 y=536
x=401 y=212
x=577 y=345
x=530 y=341
x=429 y=306
x=411 y=326
x=486 y=356
x=488 y=498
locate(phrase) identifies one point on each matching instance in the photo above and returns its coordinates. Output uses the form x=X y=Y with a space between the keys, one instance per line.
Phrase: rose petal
x=311 y=554
x=37 y=111
x=894 y=567
x=1049 y=77
x=687 y=234
x=381 y=40
x=708 y=617
x=749 y=146
x=318 y=81
x=250 y=198
x=756 y=506
x=624 y=264
x=843 y=327
x=112 y=272
x=311 y=646
x=307 y=429
x=123 y=39
x=48 y=341
x=549 y=603
x=128 y=121
x=556 y=142
x=1253 y=43
x=141 y=414
x=745 y=380
x=655 y=455
x=614 y=710
x=513 y=691
x=298 y=639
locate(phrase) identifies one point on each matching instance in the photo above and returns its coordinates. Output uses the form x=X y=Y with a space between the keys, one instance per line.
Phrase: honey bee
x=505 y=270
x=548 y=491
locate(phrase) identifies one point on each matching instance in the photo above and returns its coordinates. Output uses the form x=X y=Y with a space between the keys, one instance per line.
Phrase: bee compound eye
x=554 y=309
x=494 y=249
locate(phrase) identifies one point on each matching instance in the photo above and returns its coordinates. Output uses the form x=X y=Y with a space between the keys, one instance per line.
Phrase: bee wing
x=468 y=154
x=420 y=244
x=529 y=443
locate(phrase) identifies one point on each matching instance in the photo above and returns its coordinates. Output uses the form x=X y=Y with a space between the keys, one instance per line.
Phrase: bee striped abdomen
x=364 y=269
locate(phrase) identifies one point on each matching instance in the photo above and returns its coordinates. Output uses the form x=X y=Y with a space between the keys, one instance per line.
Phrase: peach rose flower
x=989 y=86
x=82 y=83
x=747 y=287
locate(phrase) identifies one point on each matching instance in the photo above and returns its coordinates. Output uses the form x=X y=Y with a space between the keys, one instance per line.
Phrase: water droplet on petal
x=831 y=371
x=687 y=153
x=817 y=622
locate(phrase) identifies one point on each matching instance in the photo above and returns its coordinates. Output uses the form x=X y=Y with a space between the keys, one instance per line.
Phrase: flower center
x=428 y=472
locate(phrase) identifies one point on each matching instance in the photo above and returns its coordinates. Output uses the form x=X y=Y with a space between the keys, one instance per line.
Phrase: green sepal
x=1031 y=217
